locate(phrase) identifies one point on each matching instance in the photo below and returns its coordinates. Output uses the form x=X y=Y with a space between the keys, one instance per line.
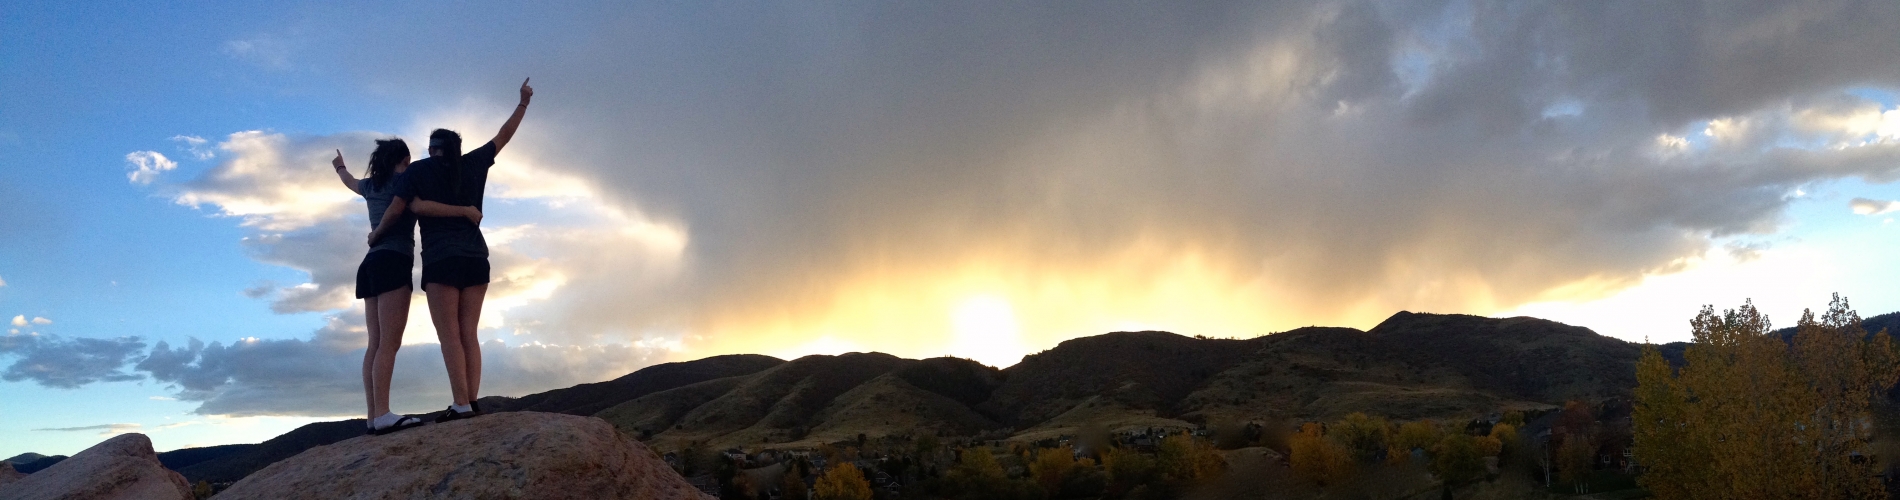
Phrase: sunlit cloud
x=145 y=166
x=104 y=429
x=1864 y=206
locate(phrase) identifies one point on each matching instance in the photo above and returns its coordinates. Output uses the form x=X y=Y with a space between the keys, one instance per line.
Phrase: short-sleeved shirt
x=402 y=237
x=432 y=179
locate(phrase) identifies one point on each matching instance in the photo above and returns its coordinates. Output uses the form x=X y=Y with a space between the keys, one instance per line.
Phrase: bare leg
x=470 y=318
x=444 y=303
x=394 y=318
x=370 y=318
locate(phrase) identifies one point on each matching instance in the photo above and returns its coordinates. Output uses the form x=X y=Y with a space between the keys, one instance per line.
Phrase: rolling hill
x=1412 y=365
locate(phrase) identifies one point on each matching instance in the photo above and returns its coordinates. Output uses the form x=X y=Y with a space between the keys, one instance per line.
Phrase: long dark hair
x=382 y=163
x=449 y=144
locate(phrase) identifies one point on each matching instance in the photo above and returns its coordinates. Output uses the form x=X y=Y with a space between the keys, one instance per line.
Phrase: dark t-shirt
x=432 y=179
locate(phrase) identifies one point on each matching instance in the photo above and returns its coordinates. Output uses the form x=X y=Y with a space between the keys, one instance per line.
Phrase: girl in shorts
x=383 y=280
x=445 y=192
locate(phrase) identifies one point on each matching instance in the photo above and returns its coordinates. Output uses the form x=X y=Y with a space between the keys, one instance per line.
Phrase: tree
x=1318 y=459
x=1750 y=416
x=1127 y=469
x=843 y=482
x=1366 y=436
x=1060 y=474
x=1183 y=459
x=1574 y=459
x=1514 y=418
x=1508 y=441
x=791 y=486
x=1458 y=460
x=976 y=462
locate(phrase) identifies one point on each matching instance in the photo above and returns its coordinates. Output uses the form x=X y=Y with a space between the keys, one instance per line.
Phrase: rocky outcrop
x=8 y=475
x=123 y=467
x=522 y=455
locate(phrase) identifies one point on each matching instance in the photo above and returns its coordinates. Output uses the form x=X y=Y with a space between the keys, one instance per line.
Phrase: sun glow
x=986 y=331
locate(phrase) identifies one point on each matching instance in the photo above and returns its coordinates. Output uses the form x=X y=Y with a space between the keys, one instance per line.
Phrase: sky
x=973 y=179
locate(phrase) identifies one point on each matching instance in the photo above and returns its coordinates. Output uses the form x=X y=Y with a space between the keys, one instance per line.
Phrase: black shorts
x=459 y=272
x=382 y=271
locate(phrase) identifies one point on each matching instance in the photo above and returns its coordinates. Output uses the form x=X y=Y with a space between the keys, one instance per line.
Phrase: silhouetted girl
x=384 y=280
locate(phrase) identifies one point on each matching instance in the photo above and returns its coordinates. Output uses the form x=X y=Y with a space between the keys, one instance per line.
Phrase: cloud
x=1864 y=206
x=106 y=429
x=269 y=52
x=198 y=147
x=1218 y=168
x=68 y=363
x=322 y=375
x=20 y=320
x=146 y=165
x=3 y=282
x=572 y=253
x=41 y=321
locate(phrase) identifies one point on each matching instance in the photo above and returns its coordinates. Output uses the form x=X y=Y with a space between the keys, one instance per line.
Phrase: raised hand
x=338 y=161
x=526 y=91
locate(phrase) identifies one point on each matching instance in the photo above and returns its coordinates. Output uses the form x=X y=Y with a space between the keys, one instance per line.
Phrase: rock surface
x=123 y=467
x=503 y=455
x=8 y=475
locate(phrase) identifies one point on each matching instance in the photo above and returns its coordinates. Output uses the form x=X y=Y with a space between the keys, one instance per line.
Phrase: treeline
x=1750 y=414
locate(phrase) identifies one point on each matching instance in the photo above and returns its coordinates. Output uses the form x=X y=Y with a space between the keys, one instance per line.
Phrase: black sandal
x=451 y=414
x=406 y=422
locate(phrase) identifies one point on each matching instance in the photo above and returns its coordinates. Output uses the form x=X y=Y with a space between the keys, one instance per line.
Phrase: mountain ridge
x=1411 y=365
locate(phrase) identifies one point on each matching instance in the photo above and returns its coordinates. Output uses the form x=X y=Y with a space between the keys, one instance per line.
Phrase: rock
x=503 y=455
x=8 y=475
x=121 y=467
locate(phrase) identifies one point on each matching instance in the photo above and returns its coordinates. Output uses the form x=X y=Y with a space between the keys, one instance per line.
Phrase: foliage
x=1318 y=459
x=1513 y=418
x=1127 y=469
x=977 y=475
x=1750 y=416
x=1366 y=436
x=1574 y=457
x=1182 y=459
x=791 y=486
x=1458 y=460
x=1509 y=443
x=1062 y=475
x=978 y=463
x=843 y=482
x=1421 y=434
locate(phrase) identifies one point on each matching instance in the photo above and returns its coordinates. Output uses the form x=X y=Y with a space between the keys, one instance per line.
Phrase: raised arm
x=437 y=209
x=343 y=173
x=508 y=129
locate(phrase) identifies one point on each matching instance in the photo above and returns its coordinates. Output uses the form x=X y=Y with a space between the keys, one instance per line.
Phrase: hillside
x=1412 y=365
x=588 y=399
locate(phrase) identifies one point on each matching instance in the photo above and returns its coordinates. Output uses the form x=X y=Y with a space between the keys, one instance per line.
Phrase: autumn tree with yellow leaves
x=1750 y=415
x=1318 y=459
x=843 y=482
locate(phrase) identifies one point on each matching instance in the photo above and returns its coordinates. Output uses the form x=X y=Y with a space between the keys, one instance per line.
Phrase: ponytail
x=382 y=163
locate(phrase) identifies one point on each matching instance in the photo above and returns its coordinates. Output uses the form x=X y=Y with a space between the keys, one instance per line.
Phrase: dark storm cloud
x=68 y=363
x=322 y=376
x=1442 y=155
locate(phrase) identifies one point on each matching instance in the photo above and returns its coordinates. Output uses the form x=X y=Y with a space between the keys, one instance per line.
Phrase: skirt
x=459 y=272
x=382 y=271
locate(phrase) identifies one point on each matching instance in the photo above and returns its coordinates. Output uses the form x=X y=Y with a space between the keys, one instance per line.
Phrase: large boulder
x=503 y=455
x=123 y=467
